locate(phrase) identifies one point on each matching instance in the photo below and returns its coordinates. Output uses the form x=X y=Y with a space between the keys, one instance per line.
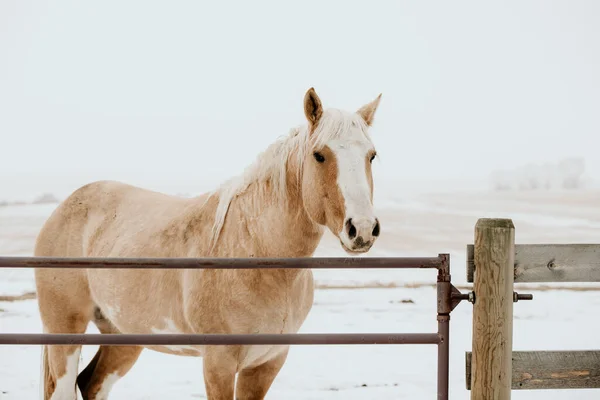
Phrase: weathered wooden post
x=494 y=253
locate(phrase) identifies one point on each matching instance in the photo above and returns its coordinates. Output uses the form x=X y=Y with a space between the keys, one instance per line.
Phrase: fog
x=179 y=96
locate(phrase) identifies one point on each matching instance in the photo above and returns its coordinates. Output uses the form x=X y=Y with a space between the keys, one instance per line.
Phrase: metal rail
x=219 y=339
x=222 y=263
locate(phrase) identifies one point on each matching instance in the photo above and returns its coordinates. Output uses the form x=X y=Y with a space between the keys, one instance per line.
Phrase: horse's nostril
x=350 y=228
x=352 y=232
x=376 y=229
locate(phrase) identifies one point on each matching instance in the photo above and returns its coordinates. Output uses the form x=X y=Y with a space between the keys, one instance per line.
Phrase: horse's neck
x=270 y=228
x=253 y=228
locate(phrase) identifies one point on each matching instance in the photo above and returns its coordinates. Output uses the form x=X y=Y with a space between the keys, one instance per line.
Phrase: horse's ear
x=367 y=112
x=313 y=109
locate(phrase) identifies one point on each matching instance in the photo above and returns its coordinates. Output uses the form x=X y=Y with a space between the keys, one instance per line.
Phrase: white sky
x=188 y=92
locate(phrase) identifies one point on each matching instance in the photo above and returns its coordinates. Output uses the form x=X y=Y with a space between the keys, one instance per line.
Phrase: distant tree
x=45 y=198
x=564 y=174
x=571 y=171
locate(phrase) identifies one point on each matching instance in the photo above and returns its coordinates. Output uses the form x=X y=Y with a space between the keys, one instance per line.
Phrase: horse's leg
x=62 y=311
x=220 y=364
x=254 y=383
x=108 y=365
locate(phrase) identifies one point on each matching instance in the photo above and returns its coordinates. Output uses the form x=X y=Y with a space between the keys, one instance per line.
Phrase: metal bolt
x=517 y=297
x=472 y=297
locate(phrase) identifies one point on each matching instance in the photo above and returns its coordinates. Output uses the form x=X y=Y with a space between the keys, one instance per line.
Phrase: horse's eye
x=372 y=157
x=319 y=157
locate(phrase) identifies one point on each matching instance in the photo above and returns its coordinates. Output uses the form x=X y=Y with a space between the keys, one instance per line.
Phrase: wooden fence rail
x=533 y=370
x=550 y=263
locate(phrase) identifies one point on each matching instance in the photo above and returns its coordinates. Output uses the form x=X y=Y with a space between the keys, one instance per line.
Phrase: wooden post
x=491 y=372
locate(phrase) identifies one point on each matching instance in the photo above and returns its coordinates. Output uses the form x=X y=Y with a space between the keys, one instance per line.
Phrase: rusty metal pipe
x=443 y=356
x=221 y=263
x=218 y=339
x=444 y=308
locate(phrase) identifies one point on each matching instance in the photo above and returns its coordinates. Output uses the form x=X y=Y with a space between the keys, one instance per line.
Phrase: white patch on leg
x=107 y=385
x=65 y=385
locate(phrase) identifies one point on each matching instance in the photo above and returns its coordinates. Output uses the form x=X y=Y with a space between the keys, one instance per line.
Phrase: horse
x=317 y=177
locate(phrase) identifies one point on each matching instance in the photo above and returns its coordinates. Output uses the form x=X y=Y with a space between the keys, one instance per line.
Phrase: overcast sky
x=189 y=92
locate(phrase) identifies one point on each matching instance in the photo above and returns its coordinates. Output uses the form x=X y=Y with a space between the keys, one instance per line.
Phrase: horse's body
x=318 y=176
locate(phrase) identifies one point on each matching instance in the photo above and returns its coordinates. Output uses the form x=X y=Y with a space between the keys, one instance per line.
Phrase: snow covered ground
x=421 y=223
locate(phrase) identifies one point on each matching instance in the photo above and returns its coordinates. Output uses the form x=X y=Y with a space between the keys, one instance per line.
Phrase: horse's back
x=96 y=216
x=61 y=234
x=86 y=224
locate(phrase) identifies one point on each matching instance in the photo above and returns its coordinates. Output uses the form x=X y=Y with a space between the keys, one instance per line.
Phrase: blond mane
x=271 y=165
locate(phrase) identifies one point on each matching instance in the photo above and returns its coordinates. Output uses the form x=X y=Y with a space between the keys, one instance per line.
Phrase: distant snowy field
x=414 y=222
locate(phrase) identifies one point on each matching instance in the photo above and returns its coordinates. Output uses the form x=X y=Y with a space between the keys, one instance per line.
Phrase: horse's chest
x=277 y=320
x=275 y=323
x=284 y=313
x=280 y=319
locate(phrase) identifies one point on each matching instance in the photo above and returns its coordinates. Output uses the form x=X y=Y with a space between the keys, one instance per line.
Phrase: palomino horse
x=317 y=177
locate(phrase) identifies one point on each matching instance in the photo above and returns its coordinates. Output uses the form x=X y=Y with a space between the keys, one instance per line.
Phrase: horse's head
x=337 y=183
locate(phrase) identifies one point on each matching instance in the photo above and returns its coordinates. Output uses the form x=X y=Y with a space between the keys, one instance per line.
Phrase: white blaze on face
x=351 y=157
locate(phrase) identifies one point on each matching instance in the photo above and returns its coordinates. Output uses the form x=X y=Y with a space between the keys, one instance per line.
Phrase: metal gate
x=448 y=298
